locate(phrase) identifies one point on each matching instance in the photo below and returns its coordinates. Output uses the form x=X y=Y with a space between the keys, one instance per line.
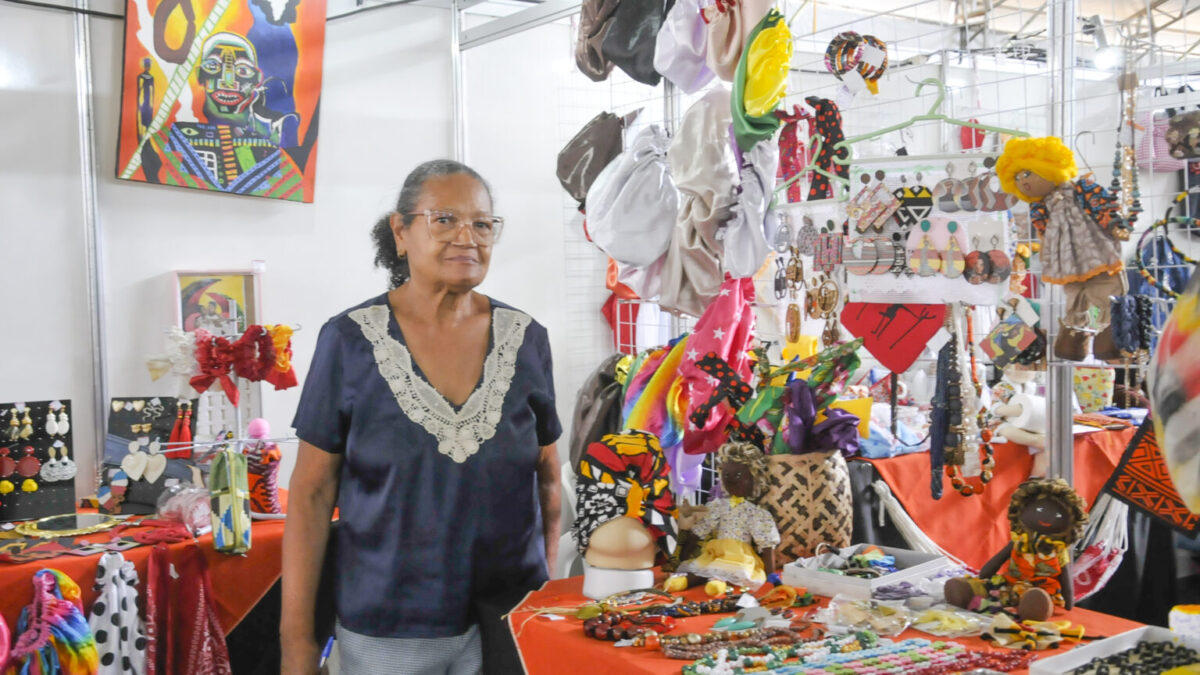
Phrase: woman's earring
x=49 y=472
x=979 y=266
x=967 y=196
x=924 y=259
x=29 y=466
x=8 y=466
x=51 y=424
x=66 y=465
x=1000 y=265
x=26 y=425
x=14 y=426
x=946 y=191
x=860 y=257
x=954 y=262
x=64 y=423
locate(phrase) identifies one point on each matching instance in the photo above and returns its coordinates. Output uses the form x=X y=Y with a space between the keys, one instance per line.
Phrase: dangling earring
x=967 y=197
x=1000 y=266
x=156 y=464
x=979 y=266
x=134 y=464
x=64 y=422
x=924 y=259
x=14 y=426
x=954 y=262
x=860 y=256
x=29 y=466
x=945 y=193
x=49 y=472
x=66 y=465
x=51 y=424
x=7 y=468
x=26 y=425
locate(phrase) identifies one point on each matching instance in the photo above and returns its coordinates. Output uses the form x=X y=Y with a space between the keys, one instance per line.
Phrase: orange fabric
x=611 y=283
x=551 y=647
x=238 y=581
x=1109 y=269
x=979 y=526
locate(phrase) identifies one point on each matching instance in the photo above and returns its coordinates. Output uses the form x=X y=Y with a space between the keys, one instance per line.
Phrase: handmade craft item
x=629 y=40
x=230 y=495
x=1081 y=227
x=1143 y=480
x=114 y=619
x=262 y=468
x=827 y=123
x=895 y=334
x=760 y=81
x=857 y=60
x=52 y=632
x=595 y=19
x=738 y=536
x=1175 y=393
x=681 y=48
x=1145 y=657
x=1032 y=573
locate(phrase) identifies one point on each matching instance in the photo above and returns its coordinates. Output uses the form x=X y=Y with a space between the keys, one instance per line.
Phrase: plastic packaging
x=949 y=622
x=187 y=504
x=880 y=617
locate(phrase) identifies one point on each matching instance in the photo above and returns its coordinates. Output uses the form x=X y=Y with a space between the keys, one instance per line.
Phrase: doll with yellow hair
x=1081 y=228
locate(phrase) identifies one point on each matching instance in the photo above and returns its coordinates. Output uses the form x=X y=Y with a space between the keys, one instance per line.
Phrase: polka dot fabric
x=828 y=123
x=114 y=619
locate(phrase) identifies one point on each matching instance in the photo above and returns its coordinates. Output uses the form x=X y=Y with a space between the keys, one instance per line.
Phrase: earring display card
x=37 y=460
x=133 y=418
x=963 y=191
x=139 y=459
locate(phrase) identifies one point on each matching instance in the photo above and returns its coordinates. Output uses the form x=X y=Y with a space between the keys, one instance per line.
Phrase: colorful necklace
x=954 y=468
x=1124 y=173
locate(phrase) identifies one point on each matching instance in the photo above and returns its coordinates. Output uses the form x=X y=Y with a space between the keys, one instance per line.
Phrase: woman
x=426 y=414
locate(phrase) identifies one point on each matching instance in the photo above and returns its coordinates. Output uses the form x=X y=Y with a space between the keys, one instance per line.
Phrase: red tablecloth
x=552 y=647
x=974 y=528
x=238 y=581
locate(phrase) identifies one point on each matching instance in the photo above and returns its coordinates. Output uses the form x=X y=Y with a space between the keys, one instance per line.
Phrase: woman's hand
x=300 y=657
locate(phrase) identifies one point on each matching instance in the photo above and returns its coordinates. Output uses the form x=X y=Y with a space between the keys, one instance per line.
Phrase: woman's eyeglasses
x=444 y=226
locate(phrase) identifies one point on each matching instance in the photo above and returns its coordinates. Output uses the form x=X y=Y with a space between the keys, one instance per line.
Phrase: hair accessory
x=254 y=354
x=851 y=57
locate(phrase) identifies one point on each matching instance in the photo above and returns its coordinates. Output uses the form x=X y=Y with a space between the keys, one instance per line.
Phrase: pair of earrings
x=19 y=428
x=28 y=467
x=916 y=203
x=136 y=405
x=59 y=425
x=973 y=193
x=139 y=463
x=874 y=255
x=56 y=470
x=926 y=260
x=991 y=267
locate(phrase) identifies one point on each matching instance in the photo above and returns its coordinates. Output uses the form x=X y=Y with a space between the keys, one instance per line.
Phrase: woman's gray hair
x=386 y=256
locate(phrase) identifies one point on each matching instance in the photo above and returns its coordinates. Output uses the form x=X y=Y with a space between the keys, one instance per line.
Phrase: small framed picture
x=222 y=303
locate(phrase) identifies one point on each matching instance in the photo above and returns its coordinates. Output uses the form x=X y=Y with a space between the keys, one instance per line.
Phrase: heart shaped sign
x=134 y=464
x=894 y=334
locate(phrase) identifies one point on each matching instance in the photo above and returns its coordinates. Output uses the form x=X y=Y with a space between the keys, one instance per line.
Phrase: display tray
x=912 y=565
x=1079 y=656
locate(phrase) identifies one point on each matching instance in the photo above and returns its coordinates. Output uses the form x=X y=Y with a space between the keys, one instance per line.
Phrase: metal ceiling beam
x=551 y=10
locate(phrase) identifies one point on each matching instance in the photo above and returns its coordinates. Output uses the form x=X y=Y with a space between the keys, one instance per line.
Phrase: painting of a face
x=978 y=267
x=999 y=266
x=229 y=73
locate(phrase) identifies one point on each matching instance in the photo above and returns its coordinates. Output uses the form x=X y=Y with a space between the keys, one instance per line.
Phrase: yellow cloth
x=767 y=62
x=730 y=560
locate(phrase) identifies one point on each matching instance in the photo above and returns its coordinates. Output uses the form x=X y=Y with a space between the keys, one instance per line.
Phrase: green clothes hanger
x=932 y=116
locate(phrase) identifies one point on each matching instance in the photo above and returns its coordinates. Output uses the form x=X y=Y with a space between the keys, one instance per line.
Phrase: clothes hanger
x=816 y=141
x=932 y=116
x=1075 y=146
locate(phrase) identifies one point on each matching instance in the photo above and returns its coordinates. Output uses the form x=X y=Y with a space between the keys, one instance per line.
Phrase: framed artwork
x=222 y=95
x=222 y=303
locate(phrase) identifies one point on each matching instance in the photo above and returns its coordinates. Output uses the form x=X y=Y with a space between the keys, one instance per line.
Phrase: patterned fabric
x=458 y=655
x=114 y=619
x=52 y=633
x=1028 y=568
x=625 y=475
x=793 y=148
x=730 y=386
x=1075 y=223
x=183 y=633
x=262 y=472
x=229 y=492
x=828 y=123
x=735 y=518
x=1142 y=481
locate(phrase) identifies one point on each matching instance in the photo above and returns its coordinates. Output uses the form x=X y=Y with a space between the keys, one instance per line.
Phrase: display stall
x=871 y=326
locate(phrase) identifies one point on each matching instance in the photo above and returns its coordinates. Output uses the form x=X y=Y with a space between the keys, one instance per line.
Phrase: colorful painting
x=222 y=303
x=222 y=95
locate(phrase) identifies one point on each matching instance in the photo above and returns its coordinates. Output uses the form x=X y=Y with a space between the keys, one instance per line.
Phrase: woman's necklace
x=954 y=468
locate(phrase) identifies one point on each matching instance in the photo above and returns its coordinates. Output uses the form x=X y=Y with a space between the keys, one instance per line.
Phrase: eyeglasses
x=444 y=226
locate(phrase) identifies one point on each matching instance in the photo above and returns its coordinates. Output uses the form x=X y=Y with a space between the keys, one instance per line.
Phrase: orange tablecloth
x=974 y=528
x=238 y=581
x=551 y=647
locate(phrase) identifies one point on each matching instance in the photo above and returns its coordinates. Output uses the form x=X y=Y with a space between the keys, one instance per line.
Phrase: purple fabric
x=839 y=431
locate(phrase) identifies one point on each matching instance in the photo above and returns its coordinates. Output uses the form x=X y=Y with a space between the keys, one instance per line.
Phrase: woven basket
x=811 y=501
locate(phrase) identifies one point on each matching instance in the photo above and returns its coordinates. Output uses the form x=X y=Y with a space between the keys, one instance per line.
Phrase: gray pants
x=367 y=655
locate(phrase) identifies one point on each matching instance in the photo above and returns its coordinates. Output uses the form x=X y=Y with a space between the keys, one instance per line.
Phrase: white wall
x=45 y=343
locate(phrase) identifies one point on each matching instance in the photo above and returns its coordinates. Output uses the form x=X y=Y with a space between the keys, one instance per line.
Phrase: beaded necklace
x=756 y=658
x=1124 y=173
x=958 y=432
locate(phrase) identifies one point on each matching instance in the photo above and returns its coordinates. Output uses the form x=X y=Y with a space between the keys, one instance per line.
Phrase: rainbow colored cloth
x=53 y=634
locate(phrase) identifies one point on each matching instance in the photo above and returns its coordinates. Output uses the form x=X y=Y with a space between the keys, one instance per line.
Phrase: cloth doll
x=739 y=535
x=1031 y=573
x=1081 y=228
x=1024 y=424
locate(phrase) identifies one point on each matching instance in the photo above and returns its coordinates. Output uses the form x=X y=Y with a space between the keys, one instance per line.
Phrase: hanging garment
x=183 y=634
x=52 y=633
x=587 y=153
x=114 y=619
x=595 y=20
x=681 y=48
x=631 y=38
x=827 y=123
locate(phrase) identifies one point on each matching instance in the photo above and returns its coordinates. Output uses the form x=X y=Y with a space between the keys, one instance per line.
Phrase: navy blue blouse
x=438 y=504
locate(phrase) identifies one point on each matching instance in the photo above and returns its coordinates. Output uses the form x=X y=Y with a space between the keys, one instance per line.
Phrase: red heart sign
x=893 y=334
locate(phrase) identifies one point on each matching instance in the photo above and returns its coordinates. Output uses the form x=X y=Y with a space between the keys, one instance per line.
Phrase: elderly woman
x=427 y=418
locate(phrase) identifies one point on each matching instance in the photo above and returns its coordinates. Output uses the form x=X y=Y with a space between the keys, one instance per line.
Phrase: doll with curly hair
x=739 y=536
x=1081 y=228
x=1031 y=573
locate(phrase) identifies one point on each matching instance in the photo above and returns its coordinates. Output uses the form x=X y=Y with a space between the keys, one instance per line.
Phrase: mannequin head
x=1032 y=168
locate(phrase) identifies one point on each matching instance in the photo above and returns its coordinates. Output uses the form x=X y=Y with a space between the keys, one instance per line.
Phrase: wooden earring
x=954 y=262
x=979 y=265
x=925 y=260
x=859 y=256
x=1000 y=265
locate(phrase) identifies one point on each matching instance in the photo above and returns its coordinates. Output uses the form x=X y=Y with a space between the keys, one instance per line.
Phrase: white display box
x=1079 y=656
x=912 y=566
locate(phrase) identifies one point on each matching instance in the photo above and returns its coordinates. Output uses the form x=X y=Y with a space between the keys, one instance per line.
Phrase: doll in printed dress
x=1081 y=228
x=1032 y=573
x=738 y=536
